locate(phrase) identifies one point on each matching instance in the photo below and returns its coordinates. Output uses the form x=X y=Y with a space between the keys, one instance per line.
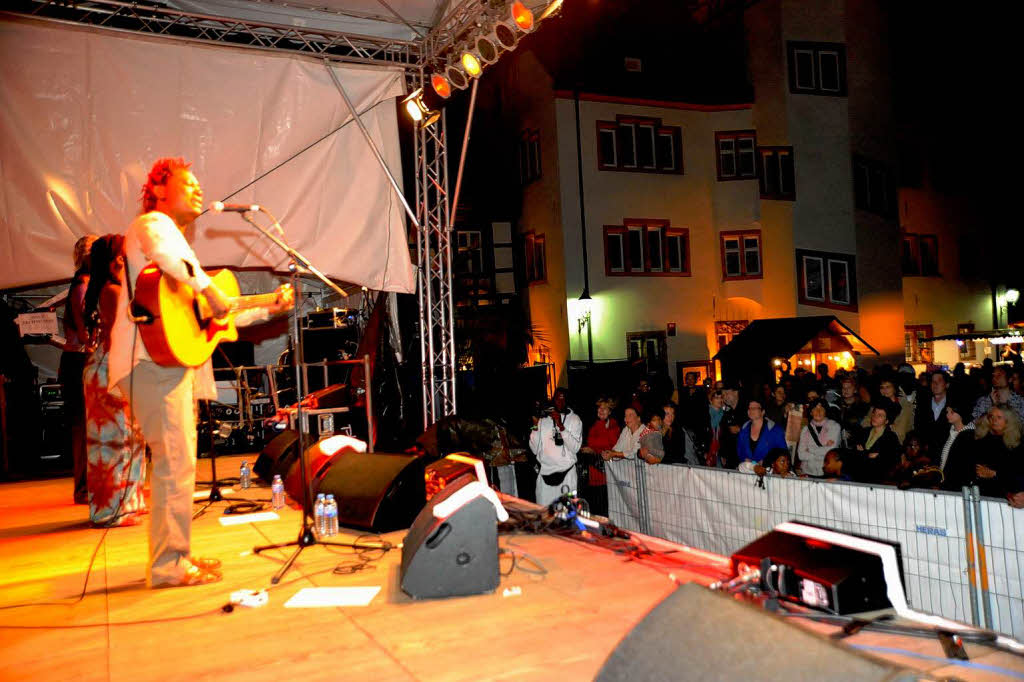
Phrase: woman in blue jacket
x=758 y=437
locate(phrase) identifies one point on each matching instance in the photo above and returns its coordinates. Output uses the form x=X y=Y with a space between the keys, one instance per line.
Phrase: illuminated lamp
x=487 y=49
x=418 y=111
x=549 y=10
x=1012 y=296
x=586 y=306
x=522 y=16
x=441 y=85
x=456 y=76
x=471 y=63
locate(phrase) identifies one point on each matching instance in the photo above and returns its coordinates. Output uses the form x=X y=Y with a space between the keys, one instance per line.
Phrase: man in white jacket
x=555 y=440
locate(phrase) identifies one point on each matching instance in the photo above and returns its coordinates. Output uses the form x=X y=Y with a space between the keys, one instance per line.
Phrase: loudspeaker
x=375 y=491
x=696 y=634
x=842 y=573
x=452 y=556
x=278 y=456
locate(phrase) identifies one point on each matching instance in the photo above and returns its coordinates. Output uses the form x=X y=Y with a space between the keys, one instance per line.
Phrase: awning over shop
x=751 y=351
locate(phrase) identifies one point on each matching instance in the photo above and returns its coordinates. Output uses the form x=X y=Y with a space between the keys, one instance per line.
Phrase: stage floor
x=564 y=622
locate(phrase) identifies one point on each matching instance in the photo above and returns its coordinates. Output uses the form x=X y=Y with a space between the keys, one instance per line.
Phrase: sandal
x=205 y=564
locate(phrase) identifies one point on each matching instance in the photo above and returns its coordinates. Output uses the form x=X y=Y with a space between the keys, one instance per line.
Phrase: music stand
x=306 y=538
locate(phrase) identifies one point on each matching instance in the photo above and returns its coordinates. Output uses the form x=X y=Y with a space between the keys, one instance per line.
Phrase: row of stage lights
x=501 y=31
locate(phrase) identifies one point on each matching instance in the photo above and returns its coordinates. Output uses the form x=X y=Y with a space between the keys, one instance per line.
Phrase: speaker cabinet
x=453 y=556
x=696 y=634
x=375 y=491
x=278 y=456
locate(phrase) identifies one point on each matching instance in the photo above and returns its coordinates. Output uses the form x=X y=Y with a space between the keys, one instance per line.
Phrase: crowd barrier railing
x=963 y=556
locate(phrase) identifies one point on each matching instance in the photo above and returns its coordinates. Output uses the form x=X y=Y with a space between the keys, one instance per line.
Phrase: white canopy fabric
x=86 y=112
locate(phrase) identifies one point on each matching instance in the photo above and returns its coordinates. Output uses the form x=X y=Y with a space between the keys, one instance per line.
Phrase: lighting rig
x=469 y=39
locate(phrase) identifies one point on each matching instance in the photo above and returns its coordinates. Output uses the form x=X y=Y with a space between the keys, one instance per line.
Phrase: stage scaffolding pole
x=434 y=261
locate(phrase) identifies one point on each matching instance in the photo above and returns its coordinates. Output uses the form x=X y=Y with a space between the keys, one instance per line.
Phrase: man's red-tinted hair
x=159 y=174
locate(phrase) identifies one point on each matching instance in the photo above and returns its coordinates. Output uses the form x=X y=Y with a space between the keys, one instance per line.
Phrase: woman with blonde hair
x=995 y=459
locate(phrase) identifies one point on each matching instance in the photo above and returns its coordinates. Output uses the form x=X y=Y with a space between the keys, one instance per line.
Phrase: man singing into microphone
x=163 y=399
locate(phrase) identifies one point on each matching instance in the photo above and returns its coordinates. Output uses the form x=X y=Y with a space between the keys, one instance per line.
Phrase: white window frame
x=743 y=253
x=614 y=161
x=679 y=240
x=824 y=279
x=620 y=237
x=738 y=251
x=644 y=128
x=796 y=69
x=831 y=295
x=642 y=231
x=723 y=153
x=659 y=234
x=821 y=70
x=632 y=134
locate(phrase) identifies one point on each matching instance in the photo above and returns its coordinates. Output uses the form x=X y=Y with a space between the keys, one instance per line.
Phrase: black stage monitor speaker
x=452 y=556
x=837 y=572
x=696 y=634
x=278 y=456
x=376 y=491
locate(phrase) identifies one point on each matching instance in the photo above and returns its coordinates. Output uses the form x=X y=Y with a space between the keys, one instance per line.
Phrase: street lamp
x=586 y=305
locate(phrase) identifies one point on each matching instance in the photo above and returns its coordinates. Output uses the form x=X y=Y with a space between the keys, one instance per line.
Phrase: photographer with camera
x=555 y=439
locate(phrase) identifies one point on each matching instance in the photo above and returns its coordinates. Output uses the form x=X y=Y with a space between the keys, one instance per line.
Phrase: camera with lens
x=541 y=410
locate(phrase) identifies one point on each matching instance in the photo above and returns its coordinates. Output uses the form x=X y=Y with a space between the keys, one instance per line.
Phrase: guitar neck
x=254 y=301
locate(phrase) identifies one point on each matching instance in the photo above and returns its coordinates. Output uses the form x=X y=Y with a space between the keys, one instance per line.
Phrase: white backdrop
x=86 y=112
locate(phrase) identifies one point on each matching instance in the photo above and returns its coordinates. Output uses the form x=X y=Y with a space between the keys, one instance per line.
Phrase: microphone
x=221 y=207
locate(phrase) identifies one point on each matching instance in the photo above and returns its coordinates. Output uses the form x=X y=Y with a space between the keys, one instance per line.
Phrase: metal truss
x=434 y=271
x=163 y=21
x=460 y=19
x=433 y=240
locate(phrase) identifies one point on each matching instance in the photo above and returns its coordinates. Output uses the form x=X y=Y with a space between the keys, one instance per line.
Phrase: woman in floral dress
x=116 y=470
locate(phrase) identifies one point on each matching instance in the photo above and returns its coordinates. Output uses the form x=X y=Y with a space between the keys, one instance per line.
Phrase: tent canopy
x=783 y=337
x=86 y=112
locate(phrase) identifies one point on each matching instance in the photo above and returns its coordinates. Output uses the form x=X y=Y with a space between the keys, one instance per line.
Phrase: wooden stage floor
x=564 y=622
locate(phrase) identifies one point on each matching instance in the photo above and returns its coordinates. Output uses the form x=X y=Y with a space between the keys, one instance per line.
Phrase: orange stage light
x=523 y=17
x=441 y=85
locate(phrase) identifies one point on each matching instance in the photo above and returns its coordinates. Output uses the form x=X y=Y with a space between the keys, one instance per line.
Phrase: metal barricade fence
x=999 y=530
x=721 y=511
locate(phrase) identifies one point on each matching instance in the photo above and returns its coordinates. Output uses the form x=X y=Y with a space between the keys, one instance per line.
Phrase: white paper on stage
x=86 y=112
x=319 y=597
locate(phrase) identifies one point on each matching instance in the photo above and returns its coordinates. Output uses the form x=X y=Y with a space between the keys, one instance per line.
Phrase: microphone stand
x=307 y=537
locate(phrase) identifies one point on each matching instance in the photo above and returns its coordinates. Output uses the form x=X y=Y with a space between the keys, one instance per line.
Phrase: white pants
x=163 y=403
x=546 y=494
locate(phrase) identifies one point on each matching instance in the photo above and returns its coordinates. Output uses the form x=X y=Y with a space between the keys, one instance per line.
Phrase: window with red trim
x=646 y=248
x=638 y=144
x=776 y=173
x=827 y=280
x=535 y=258
x=919 y=255
x=742 y=255
x=737 y=154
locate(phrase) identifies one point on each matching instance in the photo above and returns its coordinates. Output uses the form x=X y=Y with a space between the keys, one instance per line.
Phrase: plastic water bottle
x=318 y=515
x=244 y=476
x=331 y=512
x=277 y=492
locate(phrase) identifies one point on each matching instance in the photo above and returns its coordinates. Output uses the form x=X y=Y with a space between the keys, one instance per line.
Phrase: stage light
x=456 y=76
x=505 y=34
x=441 y=85
x=418 y=111
x=487 y=49
x=522 y=16
x=549 y=10
x=471 y=63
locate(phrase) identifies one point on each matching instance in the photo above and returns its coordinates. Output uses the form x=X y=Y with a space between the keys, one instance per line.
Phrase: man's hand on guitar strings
x=219 y=305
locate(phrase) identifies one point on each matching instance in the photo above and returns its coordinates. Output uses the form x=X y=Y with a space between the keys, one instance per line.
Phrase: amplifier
x=329 y=318
x=51 y=394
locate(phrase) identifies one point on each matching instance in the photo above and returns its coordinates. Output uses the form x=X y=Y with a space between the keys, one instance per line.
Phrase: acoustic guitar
x=179 y=328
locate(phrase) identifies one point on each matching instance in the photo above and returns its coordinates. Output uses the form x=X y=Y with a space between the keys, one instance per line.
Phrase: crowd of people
x=890 y=426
